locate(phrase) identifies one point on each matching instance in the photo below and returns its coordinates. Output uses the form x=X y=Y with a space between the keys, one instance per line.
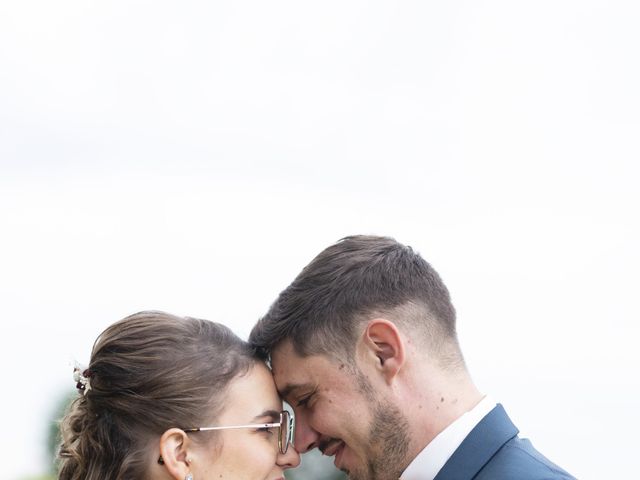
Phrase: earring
x=188 y=477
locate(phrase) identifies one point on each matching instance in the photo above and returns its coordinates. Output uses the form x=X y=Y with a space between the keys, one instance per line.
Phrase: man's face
x=337 y=410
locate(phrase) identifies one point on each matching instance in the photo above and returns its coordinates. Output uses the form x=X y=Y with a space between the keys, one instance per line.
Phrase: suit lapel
x=493 y=431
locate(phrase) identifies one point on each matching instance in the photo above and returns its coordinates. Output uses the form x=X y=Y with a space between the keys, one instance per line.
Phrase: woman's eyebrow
x=275 y=415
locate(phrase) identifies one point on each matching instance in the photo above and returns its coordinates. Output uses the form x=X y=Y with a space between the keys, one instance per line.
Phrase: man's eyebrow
x=267 y=413
x=290 y=388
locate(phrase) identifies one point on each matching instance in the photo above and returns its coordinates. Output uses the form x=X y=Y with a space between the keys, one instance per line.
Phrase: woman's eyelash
x=265 y=429
x=303 y=401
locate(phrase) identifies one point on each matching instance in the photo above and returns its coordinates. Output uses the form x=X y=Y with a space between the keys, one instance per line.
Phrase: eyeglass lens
x=285 y=431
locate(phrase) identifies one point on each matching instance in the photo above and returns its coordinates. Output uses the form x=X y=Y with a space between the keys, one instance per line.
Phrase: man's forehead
x=292 y=371
x=285 y=360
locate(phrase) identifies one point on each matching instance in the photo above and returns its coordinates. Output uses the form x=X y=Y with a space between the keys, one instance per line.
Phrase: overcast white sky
x=193 y=156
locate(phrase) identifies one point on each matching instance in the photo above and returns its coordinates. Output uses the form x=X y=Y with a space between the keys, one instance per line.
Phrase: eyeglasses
x=284 y=426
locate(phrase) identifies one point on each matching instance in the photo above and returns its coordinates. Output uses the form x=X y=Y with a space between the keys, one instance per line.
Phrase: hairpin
x=81 y=376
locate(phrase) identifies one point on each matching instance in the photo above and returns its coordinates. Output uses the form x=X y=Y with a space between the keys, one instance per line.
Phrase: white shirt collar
x=433 y=457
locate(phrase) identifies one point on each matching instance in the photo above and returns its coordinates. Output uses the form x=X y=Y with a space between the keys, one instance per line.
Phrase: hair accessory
x=81 y=376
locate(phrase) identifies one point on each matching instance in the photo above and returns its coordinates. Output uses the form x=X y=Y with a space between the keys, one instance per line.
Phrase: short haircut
x=349 y=282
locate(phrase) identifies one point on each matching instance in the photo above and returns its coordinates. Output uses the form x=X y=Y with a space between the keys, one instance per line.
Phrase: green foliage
x=53 y=433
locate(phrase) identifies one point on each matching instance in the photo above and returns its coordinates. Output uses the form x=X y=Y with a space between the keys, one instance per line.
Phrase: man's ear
x=382 y=342
x=173 y=453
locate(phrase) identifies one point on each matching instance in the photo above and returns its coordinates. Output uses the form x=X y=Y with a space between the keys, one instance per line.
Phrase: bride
x=166 y=397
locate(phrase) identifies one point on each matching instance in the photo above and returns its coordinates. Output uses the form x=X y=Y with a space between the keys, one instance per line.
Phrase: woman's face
x=248 y=453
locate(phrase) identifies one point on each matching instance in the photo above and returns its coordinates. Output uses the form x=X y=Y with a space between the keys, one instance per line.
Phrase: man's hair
x=352 y=281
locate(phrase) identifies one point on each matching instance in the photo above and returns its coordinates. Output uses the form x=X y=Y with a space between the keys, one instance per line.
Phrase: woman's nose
x=291 y=459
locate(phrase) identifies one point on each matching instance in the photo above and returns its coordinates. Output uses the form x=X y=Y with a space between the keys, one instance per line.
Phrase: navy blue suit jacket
x=493 y=451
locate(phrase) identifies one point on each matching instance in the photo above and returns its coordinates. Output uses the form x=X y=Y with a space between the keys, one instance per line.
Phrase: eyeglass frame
x=283 y=414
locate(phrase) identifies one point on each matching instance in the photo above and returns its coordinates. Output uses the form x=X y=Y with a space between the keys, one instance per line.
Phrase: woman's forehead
x=252 y=394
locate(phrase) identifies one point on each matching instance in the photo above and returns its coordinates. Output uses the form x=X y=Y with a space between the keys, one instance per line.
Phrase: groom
x=363 y=345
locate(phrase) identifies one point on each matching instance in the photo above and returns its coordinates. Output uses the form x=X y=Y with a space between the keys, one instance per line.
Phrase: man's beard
x=388 y=445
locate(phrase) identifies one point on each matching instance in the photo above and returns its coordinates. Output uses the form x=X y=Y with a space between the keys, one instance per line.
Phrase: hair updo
x=148 y=372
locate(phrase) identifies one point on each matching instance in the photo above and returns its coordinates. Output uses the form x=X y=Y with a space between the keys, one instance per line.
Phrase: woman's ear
x=383 y=342
x=173 y=453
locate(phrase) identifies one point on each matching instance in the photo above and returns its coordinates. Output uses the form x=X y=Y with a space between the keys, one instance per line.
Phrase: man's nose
x=305 y=438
